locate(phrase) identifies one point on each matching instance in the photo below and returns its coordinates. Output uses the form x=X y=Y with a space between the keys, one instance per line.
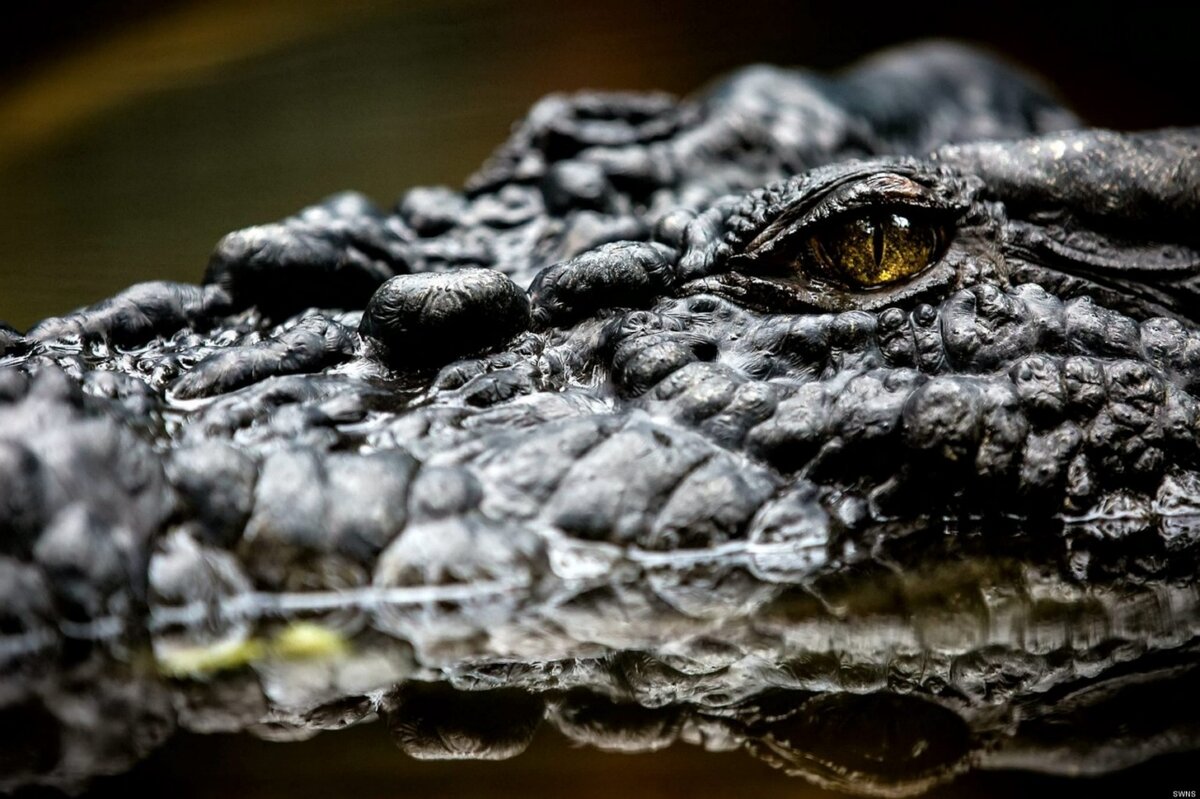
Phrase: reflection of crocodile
x=881 y=467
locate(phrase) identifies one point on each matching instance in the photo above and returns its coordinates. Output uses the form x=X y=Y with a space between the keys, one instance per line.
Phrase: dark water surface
x=362 y=763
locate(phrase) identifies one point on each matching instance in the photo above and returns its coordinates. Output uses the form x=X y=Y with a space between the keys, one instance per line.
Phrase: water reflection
x=886 y=702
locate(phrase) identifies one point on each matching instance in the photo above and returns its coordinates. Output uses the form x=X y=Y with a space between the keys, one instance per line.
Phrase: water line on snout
x=577 y=565
x=260 y=604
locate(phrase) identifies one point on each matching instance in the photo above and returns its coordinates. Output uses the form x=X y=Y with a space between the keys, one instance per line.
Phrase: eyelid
x=881 y=192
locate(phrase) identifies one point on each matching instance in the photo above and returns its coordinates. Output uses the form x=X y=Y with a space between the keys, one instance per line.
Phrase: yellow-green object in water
x=297 y=641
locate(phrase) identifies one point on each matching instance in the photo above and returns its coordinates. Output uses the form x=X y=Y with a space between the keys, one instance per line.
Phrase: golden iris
x=876 y=250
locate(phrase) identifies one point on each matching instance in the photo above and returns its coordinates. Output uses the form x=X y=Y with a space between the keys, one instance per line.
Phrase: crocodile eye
x=864 y=237
x=876 y=249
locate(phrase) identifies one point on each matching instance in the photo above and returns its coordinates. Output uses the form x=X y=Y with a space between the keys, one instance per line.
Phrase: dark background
x=361 y=763
x=1123 y=67
x=134 y=133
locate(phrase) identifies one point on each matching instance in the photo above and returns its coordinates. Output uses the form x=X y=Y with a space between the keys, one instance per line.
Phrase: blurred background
x=134 y=133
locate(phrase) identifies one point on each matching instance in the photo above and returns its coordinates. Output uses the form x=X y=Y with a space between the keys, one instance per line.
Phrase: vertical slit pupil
x=877 y=240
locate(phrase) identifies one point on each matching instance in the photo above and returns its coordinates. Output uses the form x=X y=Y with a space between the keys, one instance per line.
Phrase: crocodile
x=848 y=420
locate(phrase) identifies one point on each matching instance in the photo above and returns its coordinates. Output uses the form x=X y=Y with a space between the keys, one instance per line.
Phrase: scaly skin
x=594 y=441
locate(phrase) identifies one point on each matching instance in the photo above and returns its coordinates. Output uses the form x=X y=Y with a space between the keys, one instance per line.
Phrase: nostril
x=432 y=319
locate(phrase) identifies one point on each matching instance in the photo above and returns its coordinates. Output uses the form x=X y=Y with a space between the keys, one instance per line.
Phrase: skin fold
x=848 y=420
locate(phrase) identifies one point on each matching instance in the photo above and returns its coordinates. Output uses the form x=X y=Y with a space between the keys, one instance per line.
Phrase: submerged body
x=850 y=421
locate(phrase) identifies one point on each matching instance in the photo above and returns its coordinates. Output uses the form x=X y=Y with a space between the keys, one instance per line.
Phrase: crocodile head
x=848 y=421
